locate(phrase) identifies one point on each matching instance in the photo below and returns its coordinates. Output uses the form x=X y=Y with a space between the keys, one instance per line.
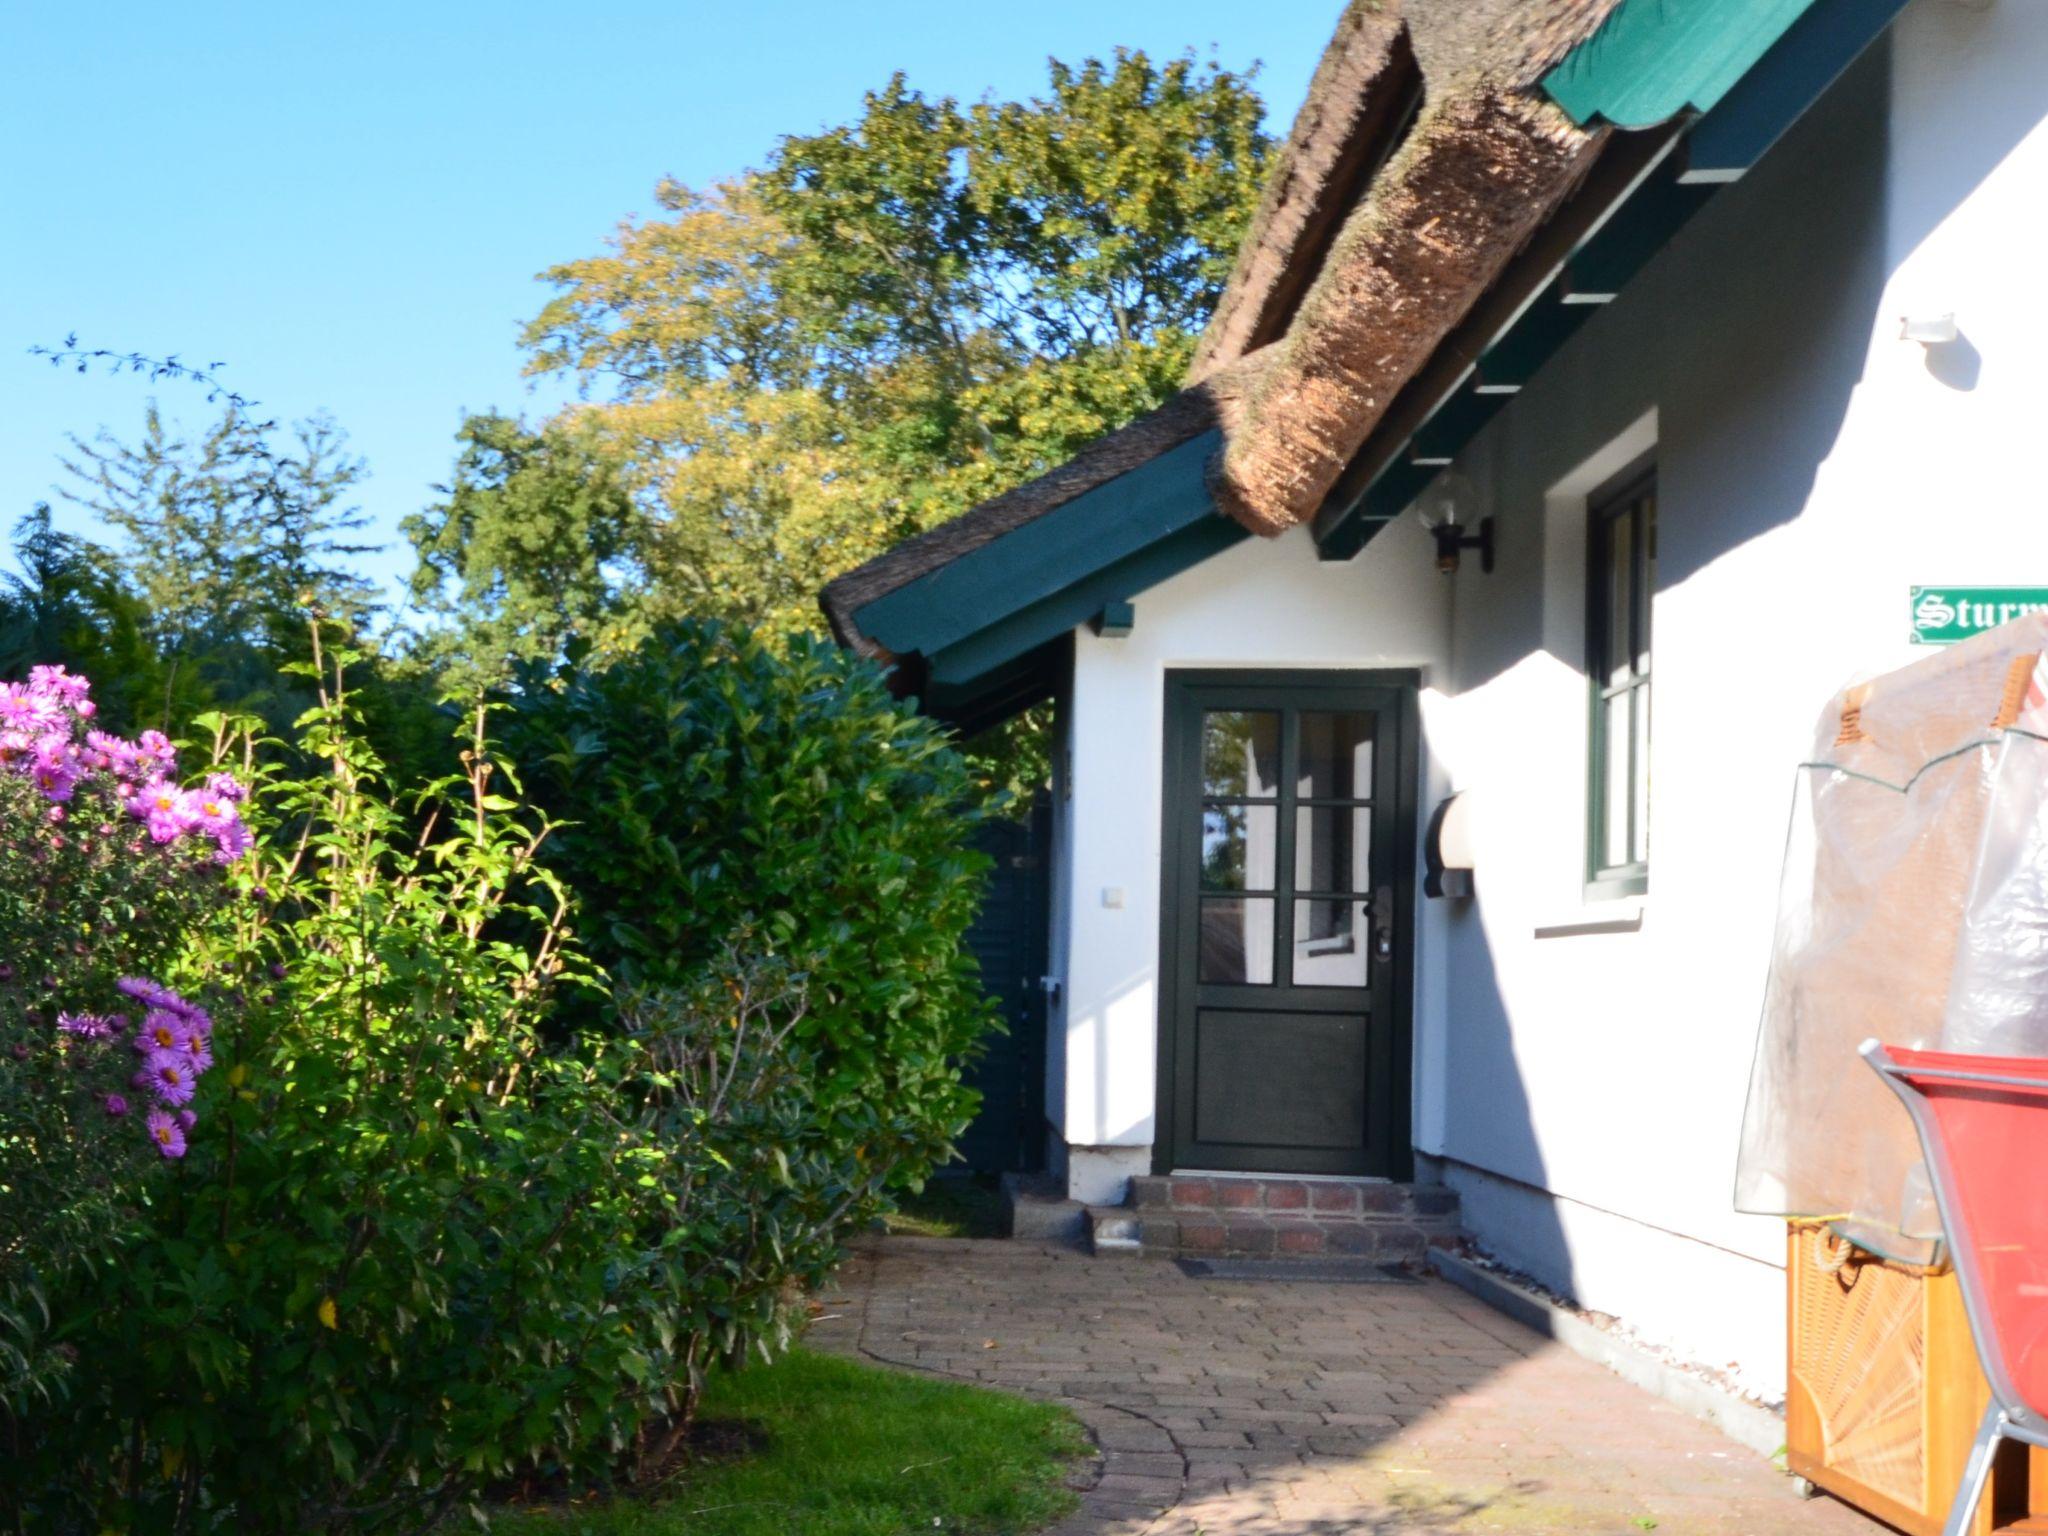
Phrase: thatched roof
x=1384 y=224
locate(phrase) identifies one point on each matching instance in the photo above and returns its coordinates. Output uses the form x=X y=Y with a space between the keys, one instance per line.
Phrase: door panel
x=1288 y=840
x=1319 y=1106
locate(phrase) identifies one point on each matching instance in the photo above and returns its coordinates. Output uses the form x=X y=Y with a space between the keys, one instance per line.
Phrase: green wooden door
x=1288 y=885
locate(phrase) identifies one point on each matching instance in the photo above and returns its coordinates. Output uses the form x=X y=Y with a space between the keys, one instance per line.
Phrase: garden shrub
x=717 y=781
x=401 y=1260
x=106 y=867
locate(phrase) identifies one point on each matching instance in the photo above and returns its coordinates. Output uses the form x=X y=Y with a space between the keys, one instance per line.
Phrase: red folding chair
x=1983 y=1124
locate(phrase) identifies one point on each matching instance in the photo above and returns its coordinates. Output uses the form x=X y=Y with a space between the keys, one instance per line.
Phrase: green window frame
x=1621 y=583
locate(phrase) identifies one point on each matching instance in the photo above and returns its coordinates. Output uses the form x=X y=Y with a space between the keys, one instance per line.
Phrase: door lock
x=1383 y=923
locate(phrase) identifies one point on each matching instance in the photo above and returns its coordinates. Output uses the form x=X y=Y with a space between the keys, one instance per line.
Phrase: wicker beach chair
x=1983 y=1124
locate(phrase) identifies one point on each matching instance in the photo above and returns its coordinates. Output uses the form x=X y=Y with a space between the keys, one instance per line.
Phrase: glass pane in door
x=1240 y=847
x=1241 y=753
x=1330 y=939
x=1336 y=755
x=1236 y=947
x=1333 y=848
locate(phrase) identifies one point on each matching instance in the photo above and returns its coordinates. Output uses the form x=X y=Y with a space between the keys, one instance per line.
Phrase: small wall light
x=1441 y=503
x=1451 y=540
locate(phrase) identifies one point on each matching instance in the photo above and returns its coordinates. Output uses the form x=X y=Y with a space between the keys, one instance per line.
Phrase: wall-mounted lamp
x=1442 y=502
x=1452 y=540
x=1449 y=849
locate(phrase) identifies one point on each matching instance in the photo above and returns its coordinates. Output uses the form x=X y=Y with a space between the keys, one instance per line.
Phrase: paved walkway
x=1251 y=1408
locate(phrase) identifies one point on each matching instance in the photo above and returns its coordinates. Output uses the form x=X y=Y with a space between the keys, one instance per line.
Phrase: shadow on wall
x=1748 y=336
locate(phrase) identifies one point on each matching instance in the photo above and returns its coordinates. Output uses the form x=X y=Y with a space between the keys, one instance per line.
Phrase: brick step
x=1264 y=1217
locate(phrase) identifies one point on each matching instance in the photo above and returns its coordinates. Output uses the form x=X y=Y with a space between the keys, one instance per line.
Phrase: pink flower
x=213 y=812
x=168 y=1135
x=23 y=708
x=155 y=747
x=54 y=682
x=116 y=1105
x=227 y=786
x=164 y=809
x=53 y=772
x=172 y=1077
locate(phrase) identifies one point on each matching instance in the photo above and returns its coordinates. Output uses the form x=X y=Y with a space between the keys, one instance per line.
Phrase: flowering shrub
x=107 y=867
x=396 y=1262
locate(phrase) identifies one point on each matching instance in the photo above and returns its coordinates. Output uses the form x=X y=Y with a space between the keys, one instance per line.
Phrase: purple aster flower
x=55 y=682
x=116 y=1105
x=87 y=1026
x=232 y=841
x=213 y=812
x=168 y=1135
x=186 y=1119
x=16 y=747
x=164 y=809
x=53 y=772
x=227 y=786
x=25 y=709
x=172 y=1078
x=155 y=747
x=149 y=993
x=162 y=1030
x=106 y=750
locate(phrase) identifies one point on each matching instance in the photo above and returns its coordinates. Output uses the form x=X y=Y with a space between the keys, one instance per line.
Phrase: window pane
x=1333 y=848
x=1641 y=787
x=1336 y=755
x=1615 y=788
x=1236 y=940
x=1614 y=636
x=1240 y=847
x=1649 y=588
x=1330 y=939
x=1241 y=752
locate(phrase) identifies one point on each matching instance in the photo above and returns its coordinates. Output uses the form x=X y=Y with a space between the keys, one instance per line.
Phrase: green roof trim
x=1118 y=519
x=1653 y=59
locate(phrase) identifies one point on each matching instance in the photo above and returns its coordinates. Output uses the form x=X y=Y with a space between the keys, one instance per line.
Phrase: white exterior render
x=1579 y=1066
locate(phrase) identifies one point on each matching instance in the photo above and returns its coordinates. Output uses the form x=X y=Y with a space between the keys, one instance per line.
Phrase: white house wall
x=1259 y=604
x=1812 y=466
x=1580 y=1067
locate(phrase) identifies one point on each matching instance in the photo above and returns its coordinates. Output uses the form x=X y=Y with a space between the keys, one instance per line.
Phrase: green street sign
x=1944 y=615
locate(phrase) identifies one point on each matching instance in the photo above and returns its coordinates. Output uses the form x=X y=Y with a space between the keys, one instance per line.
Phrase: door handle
x=1383 y=923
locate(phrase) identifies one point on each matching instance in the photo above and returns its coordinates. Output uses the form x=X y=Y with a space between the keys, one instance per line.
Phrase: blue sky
x=349 y=203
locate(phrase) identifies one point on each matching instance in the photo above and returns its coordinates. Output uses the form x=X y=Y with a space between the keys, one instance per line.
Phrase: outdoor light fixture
x=1451 y=539
x=1441 y=503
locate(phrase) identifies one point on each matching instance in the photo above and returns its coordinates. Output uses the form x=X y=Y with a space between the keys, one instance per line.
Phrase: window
x=1621 y=525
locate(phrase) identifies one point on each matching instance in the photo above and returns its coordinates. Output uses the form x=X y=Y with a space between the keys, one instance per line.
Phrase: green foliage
x=846 y=1449
x=520 y=559
x=222 y=544
x=891 y=321
x=226 y=537
x=716 y=783
x=68 y=605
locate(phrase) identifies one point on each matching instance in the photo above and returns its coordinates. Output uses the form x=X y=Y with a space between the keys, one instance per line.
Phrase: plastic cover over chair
x=1913 y=908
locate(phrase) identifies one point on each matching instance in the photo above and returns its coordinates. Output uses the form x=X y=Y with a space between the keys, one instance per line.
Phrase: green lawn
x=953 y=1206
x=851 y=1450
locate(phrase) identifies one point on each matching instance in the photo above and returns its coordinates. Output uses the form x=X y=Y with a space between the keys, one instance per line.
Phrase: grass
x=952 y=1205
x=850 y=1450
